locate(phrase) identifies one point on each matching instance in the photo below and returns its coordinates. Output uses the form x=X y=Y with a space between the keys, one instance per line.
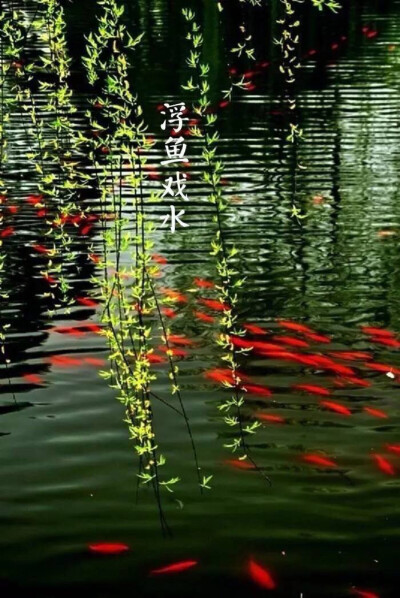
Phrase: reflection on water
x=68 y=470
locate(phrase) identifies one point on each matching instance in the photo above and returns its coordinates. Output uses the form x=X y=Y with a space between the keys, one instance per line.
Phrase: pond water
x=67 y=465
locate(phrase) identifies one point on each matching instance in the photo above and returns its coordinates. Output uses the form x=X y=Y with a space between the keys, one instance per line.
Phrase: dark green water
x=68 y=469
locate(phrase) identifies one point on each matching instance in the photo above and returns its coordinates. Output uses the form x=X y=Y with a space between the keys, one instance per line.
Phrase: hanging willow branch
x=225 y=257
x=131 y=307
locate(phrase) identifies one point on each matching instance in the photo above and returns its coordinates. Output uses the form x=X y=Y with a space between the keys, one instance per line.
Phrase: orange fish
x=85 y=230
x=175 y=567
x=106 y=548
x=70 y=330
x=224 y=375
x=358 y=381
x=203 y=284
x=318 y=338
x=50 y=279
x=215 y=305
x=154 y=358
x=203 y=317
x=34 y=199
x=329 y=364
x=254 y=329
x=180 y=340
x=295 y=326
x=318 y=200
x=280 y=354
x=336 y=407
x=261 y=576
x=243 y=343
x=86 y=301
x=173 y=351
x=384 y=465
x=174 y=295
x=239 y=464
x=160 y=259
x=64 y=360
x=168 y=312
x=96 y=361
x=376 y=412
x=382 y=367
x=363 y=593
x=40 y=249
x=377 y=331
x=95 y=328
x=262 y=391
x=33 y=379
x=319 y=461
x=271 y=418
x=94 y=258
x=389 y=342
x=289 y=340
x=312 y=389
x=7 y=232
x=351 y=355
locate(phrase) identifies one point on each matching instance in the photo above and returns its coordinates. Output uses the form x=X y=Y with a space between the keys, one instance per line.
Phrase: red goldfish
x=105 y=548
x=179 y=340
x=203 y=284
x=168 y=312
x=382 y=367
x=214 y=304
x=34 y=199
x=289 y=340
x=239 y=464
x=384 y=465
x=174 y=295
x=261 y=576
x=64 y=360
x=319 y=461
x=160 y=259
x=388 y=342
x=336 y=407
x=33 y=379
x=363 y=593
x=358 y=381
x=376 y=412
x=313 y=389
x=203 y=317
x=96 y=361
x=224 y=375
x=254 y=329
x=377 y=331
x=7 y=232
x=267 y=417
x=173 y=351
x=154 y=358
x=351 y=355
x=243 y=343
x=295 y=326
x=175 y=567
x=41 y=249
x=318 y=338
x=262 y=391
x=86 y=301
